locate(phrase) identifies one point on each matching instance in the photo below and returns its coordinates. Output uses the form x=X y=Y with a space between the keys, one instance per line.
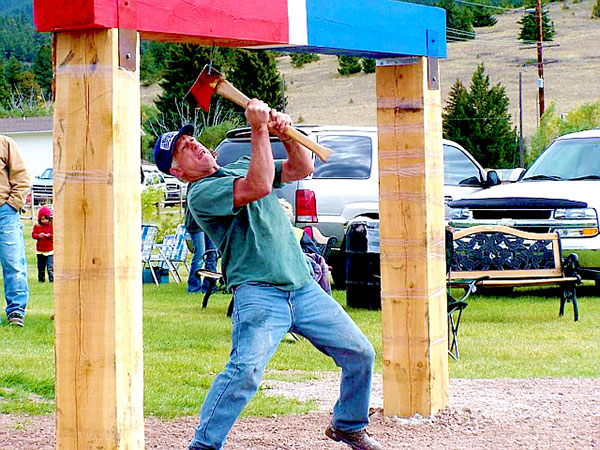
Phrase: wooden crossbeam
x=375 y=28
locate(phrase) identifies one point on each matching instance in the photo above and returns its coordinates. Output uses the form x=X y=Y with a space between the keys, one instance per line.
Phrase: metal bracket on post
x=400 y=61
x=127 y=23
x=433 y=69
x=127 y=49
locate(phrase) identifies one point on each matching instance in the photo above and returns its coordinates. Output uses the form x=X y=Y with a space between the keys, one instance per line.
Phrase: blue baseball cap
x=165 y=145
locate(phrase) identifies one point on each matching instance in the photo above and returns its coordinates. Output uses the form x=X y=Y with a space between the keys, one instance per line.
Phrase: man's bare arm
x=299 y=161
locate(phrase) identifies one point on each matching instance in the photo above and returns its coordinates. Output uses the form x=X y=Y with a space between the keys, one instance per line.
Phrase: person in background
x=14 y=187
x=44 y=235
x=263 y=264
x=318 y=265
x=204 y=257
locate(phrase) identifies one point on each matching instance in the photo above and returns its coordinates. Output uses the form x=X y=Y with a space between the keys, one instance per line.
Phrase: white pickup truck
x=559 y=192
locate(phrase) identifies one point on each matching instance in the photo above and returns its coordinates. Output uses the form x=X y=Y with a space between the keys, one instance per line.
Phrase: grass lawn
x=185 y=346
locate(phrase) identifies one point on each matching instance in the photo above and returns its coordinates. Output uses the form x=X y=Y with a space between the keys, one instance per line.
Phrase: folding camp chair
x=175 y=251
x=150 y=251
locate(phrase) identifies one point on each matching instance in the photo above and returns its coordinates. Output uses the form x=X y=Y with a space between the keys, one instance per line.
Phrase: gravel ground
x=482 y=414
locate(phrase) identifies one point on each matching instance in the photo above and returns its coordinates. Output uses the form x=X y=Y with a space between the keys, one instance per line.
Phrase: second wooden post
x=411 y=210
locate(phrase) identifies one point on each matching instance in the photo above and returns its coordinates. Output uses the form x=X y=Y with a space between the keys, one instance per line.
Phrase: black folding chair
x=213 y=277
x=455 y=306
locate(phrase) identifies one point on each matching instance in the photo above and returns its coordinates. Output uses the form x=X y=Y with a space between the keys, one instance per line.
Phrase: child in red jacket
x=44 y=235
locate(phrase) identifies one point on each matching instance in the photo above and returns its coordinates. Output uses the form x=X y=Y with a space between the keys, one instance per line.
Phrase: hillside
x=317 y=94
x=15 y=7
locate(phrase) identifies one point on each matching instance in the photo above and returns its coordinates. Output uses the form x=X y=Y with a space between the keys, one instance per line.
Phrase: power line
x=485 y=6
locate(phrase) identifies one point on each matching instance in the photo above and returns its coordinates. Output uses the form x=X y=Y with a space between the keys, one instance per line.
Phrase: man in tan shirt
x=14 y=187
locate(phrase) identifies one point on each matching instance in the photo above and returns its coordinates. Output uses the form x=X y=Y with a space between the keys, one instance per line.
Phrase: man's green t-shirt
x=256 y=241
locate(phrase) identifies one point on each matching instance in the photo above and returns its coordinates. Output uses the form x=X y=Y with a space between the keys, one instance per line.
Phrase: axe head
x=203 y=88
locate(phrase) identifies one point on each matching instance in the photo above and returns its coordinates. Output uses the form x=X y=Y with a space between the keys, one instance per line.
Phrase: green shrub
x=368 y=65
x=213 y=135
x=553 y=125
x=151 y=197
x=299 y=59
x=347 y=65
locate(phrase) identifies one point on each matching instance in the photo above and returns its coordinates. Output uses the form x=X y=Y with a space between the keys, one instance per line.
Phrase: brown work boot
x=359 y=439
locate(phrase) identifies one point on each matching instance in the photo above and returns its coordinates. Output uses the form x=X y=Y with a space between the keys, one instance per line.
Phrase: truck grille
x=42 y=190
x=515 y=214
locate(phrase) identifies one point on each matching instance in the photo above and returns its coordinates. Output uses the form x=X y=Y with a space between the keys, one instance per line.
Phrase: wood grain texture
x=97 y=289
x=415 y=361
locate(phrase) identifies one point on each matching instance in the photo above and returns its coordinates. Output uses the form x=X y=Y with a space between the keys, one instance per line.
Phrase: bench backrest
x=503 y=252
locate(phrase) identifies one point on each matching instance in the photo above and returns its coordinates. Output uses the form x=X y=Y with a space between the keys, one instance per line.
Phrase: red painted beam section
x=61 y=15
x=222 y=22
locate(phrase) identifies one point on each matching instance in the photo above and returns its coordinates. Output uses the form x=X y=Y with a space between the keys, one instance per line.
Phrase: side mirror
x=492 y=178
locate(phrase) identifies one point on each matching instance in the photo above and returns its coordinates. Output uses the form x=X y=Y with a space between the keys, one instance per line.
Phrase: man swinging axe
x=263 y=265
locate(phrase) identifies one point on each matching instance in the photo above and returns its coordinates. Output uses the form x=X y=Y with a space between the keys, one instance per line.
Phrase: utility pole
x=521 y=156
x=540 y=57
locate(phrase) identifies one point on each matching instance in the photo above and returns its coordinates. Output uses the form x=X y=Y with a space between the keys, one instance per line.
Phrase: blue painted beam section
x=375 y=28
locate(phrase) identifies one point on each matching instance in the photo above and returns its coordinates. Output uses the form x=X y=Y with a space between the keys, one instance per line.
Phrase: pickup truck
x=559 y=192
x=347 y=185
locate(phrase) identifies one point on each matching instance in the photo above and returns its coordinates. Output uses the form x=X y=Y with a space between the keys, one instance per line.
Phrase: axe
x=210 y=81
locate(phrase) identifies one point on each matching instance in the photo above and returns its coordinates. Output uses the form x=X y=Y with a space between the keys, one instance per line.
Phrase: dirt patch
x=482 y=414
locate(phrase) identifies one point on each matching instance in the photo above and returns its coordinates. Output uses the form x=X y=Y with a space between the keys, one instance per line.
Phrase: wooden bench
x=499 y=256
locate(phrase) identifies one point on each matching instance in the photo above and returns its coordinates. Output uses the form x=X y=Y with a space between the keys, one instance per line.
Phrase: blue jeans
x=262 y=315
x=12 y=257
x=202 y=243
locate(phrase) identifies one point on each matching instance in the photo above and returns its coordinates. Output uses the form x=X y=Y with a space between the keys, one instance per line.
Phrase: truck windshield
x=568 y=159
x=46 y=175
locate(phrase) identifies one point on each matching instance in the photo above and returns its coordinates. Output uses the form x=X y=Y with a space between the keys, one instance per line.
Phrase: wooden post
x=98 y=288
x=415 y=358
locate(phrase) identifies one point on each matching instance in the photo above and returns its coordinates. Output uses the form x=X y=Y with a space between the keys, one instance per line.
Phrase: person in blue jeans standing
x=14 y=186
x=205 y=256
x=263 y=264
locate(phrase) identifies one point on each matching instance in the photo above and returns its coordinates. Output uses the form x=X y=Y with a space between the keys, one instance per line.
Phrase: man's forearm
x=299 y=163
x=261 y=171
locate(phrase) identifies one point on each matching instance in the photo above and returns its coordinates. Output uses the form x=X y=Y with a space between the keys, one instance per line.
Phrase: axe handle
x=227 y=90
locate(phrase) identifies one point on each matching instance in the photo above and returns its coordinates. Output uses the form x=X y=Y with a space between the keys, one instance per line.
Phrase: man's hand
x=257 y=114
x=279 y=123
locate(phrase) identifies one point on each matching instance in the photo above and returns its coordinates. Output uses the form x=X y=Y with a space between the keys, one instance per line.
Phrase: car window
x=459 y=169
x=47 y=174
x=351 y=157
x=567 y=159
x=231 y=151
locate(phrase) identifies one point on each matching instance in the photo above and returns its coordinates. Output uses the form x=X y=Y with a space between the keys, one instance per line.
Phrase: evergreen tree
x=4 y=86
x=529 y=25
x=482 y=17
x=42 y=68
x=478 y=119
x=153 y=56
x=18 y=38
x=255 y=74
x=182 y=65
x=347 y=65
x=12 y=72
x=459 y=21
